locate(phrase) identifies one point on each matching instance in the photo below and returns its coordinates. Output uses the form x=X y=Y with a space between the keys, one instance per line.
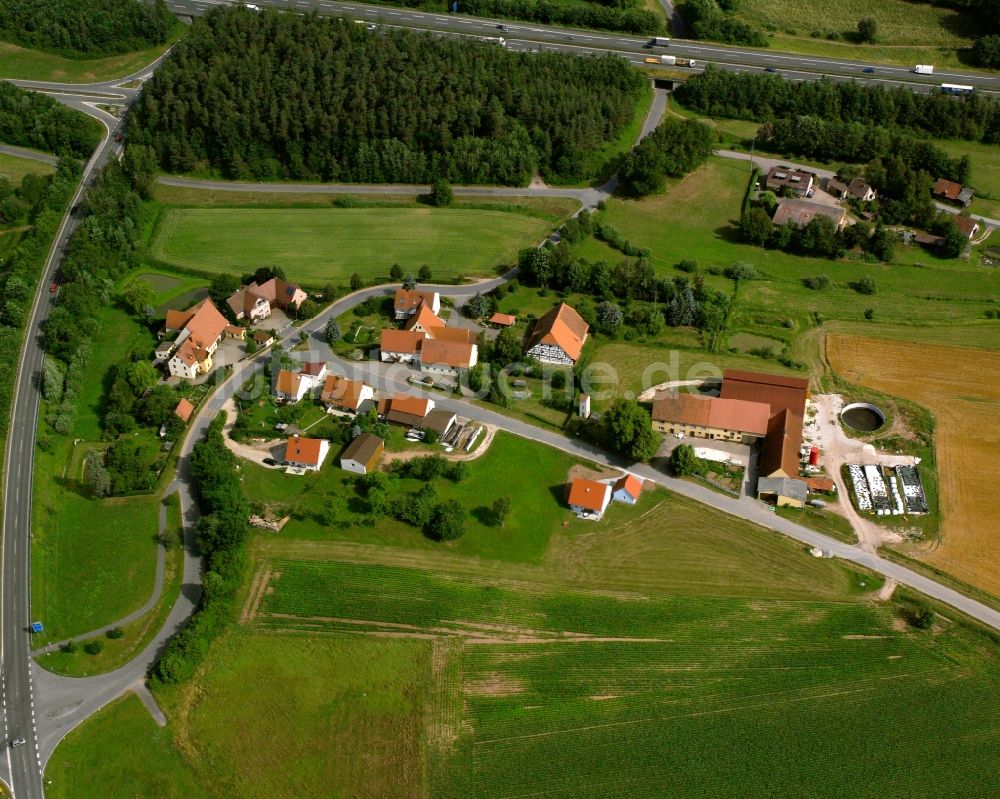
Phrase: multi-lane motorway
x=531 y=36
x=22 y=766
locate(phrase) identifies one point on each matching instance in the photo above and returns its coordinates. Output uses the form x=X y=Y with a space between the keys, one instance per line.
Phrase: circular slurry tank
x=862 y=417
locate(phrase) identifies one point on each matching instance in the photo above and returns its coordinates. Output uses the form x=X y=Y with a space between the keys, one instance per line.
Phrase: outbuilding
x=362 y=454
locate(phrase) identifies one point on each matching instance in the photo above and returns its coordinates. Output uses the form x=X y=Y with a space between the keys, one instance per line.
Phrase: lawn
x=584 y=693
x=985 y=173
x=321 y=717
x=908 y=33
x=15 y=168
x=27 y=64
x=705 y=206
x=93 y=561
x=322 y=245
x=120 y=753
x=537 y=510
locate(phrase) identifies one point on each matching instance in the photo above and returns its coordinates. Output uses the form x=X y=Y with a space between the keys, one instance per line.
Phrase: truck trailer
x=924 y=69
x=661 y=41
x=670 y=61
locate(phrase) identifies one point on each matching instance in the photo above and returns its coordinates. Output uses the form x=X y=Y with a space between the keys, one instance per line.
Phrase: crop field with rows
x=554 y=691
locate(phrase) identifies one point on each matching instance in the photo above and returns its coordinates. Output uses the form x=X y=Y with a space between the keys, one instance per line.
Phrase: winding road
x=43 y=707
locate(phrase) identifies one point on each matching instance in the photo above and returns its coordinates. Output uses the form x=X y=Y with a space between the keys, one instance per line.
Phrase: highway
x=61 y=703
x=532 y=36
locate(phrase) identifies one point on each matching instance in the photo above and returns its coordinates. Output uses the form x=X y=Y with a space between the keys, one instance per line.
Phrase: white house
x=627 y=489
x=589 y=498
x=406 y=302
x=293 y=386
x=306 y=453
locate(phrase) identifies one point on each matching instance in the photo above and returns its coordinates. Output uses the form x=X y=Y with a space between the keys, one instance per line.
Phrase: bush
x=94 y=647
x=447 y=521
x=70 y=647
x=115 y=633
x=817 y=283
x=865 y=285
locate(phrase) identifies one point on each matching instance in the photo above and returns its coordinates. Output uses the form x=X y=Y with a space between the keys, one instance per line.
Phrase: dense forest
x=85 y=27
x=676 y=147
x=613 y=15
x=30 y=119
x=265 y=96
x=764 y=97
x=713 y=20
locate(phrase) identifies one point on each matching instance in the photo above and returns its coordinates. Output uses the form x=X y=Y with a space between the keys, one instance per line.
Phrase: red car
x=53 y=287
x=118 y=137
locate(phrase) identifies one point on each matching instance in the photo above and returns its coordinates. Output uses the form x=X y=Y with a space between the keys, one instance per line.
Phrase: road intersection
x=43 y=707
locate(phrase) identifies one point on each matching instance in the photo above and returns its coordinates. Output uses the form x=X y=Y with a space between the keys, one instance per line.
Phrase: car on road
x=869 y=70
x=770 y=69
x=118 y=136
x=15 y=742
x=371 y=26
x=53 y=287
x=503 y=28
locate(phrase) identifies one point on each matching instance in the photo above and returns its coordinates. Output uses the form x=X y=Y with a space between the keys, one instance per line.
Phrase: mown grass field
x=706 y=205
x=958 y=387
x=577 y=693
x=321 y=245
x=26 y=64
x=15 y=168
x=93 y=561
x=144 y=762
x=537 y=495
x=908 y=33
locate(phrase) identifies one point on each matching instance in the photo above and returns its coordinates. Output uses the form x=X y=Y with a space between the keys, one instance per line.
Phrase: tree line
x=75 y=28
x=264 y=96
x=222 y=534
x=765 y=97
x=45 y=205
x=714 y=20
x=30 y=119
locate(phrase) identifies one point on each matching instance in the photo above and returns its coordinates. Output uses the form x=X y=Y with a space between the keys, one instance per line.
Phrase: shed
x=783 y=491
x=362 y=454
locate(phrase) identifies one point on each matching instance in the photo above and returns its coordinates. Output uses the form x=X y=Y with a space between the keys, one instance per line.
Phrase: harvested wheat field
x=961 y=388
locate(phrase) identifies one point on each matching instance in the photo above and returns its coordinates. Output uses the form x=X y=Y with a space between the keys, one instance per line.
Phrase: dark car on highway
x=869 y=70
x=770 y=69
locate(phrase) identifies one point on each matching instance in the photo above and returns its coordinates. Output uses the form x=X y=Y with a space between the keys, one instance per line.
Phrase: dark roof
x=801 y=212
x=790 y=487
x=439 y=421
x=363 y=448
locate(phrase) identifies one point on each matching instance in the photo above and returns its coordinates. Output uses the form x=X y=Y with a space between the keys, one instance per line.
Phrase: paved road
x=533 y=36
x=24 y=152
x=21 y=768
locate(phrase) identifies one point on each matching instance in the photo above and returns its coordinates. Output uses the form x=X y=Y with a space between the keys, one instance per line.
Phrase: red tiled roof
x=184 y=410
x=404 y=341
x=424 y=317
x=588 y=494
x=450 y=353
x=342 y=392
x=407 y=300
x=303 y=450
x=631 y=484
x=403 y=403
x=947 y=188
x=820 y=484
x=778 y=391
x=561 y=326
x=313 y=368
x=966 y=225
x=460 y=334
x=714 y=412
x=288 y=382
x=504 y=319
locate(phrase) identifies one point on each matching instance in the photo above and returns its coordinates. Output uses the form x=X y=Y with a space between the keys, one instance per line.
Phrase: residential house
x=783 y=491
x=837 y=188
x=400 y=346
x=952 y=192
x=406 y=302
x=447 y=357
x=306 y=453
x=503 y=320
x=967 y=226
x=315 y=369
x=799 y=181
x=362 y=454
x=184 y=410
x=861 y=191
x=257 y=301
x=440 y=422
x=199 y=331
x=404 y=409
x=424 y=320
x=801 y=212
x=558 y=337
x=263 y=338
x=343 y=394
x=627 y=489
x=684 y=414
x=293 y=386
x=588 y=498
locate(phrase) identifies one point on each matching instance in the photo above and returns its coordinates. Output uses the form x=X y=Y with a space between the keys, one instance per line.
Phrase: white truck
x=670 y=61
x=924 y=69
x=660 y=41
